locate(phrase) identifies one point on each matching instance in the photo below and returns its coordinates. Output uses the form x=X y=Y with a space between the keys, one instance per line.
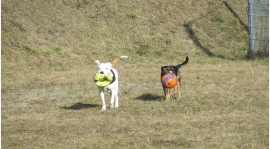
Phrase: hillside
x=60 y=35
x=49 y=99
x=63 y=33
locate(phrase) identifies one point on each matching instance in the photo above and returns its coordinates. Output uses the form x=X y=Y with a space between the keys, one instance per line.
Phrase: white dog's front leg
x=101 y=94
x=112 y=99
x=116 y=99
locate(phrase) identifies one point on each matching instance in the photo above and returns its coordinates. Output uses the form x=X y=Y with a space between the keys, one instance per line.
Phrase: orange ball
x=169 y=80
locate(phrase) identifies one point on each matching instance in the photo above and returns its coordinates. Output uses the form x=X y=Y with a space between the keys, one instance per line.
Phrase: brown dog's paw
x=174 y=96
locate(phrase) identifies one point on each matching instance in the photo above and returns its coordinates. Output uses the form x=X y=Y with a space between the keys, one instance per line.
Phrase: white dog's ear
x=97 y=61
x=109 y=64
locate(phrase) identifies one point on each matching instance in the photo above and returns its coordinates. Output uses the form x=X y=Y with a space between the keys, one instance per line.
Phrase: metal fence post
x=258 y=28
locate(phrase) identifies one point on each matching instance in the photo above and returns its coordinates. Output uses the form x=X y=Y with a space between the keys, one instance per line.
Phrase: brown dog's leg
x=166 y=92
x=175 y=89
x=178 y=86
x=179 y=90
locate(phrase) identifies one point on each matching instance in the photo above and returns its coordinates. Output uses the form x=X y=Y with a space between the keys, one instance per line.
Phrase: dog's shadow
x=149 y=97
x=79 y=106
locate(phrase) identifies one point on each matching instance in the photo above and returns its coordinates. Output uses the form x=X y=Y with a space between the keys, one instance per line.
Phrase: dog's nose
x=101 y=72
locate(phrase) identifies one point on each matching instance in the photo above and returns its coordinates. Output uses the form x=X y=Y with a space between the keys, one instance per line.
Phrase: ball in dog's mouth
x=101 y=80
x=169 y=80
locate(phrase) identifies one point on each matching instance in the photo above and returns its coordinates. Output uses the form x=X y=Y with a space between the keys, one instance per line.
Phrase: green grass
x=142 y=50
x=49 y=99
x=218 y=19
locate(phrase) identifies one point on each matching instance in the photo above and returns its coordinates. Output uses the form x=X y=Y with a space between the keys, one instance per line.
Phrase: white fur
x=112 y=88
x=124 y=56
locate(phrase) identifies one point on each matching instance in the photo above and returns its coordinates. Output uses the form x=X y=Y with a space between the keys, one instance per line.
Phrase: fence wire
x=258 y=26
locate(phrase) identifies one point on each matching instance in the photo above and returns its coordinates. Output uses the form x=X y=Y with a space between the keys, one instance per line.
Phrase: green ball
x=99 y=77
x=101 y=80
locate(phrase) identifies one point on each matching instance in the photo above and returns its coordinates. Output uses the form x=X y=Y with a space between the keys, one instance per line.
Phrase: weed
x=133 y=17
x=234 y=23
x=143 y=49
x=168 y=42
x=57 y=49
x=158 y=53
x=172 y=57
x=29 y=50
x=217 y=19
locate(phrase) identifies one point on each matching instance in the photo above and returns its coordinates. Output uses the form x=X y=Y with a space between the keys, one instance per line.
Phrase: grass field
x=49 y=99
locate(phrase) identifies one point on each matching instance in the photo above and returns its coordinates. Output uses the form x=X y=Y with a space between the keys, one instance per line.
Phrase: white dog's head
x=104 y=68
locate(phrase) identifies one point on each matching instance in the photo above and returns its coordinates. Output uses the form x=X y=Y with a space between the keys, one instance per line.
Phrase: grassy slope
x=49 y=99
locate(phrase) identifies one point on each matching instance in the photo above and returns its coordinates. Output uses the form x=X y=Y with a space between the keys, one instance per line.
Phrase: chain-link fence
x=258 y=27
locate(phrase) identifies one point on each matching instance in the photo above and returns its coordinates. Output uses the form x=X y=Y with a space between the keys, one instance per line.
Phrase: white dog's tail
x=116 y=59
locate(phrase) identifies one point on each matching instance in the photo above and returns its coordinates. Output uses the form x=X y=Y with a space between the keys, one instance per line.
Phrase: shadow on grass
x=79 y=106
x=198 y=43
x=149 y=97
x=190 y=31
x=235 y=15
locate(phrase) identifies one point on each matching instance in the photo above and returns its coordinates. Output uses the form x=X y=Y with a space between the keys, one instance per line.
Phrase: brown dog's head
x=172 y=69
x=167 y=69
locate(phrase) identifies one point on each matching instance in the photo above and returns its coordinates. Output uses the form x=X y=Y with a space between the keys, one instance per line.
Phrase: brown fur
x=115 y=60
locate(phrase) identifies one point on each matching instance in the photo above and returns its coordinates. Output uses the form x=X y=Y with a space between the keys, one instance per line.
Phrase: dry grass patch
x=220 y=108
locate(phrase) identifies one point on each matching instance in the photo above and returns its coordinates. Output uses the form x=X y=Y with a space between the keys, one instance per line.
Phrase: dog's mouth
x=103 y=73
x=166 y=72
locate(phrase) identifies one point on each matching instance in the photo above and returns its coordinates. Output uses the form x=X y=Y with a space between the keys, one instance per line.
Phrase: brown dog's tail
x=185 y=62
x=116 y=59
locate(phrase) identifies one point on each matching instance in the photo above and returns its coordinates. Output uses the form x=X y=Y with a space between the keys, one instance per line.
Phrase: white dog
x=107 y=69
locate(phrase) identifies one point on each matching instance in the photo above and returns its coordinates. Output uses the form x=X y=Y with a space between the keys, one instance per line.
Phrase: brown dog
x=175 y=70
